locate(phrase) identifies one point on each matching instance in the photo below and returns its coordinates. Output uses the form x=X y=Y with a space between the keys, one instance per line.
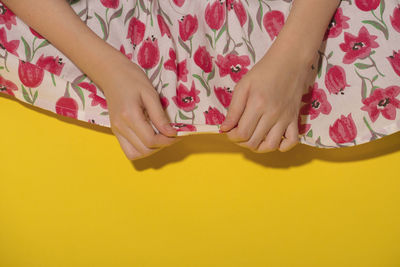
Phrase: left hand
x=266 y=102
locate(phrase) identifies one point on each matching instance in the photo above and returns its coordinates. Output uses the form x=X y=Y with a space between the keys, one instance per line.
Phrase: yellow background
x=70 y=197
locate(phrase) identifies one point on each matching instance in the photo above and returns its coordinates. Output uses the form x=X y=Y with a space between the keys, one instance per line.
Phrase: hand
x=130 y=95
x=266 y=102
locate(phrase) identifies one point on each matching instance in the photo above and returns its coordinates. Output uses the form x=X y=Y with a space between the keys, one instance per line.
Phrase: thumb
x=157 y=115
x=236 y=107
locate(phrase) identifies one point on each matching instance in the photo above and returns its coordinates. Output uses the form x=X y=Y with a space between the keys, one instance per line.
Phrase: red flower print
x=136 y=30
x=179 y=2
x=213 y=116
x=357 y=46
x=180 y=69
x=110 y=3
x=186 y=99
x=343 y=130
x=7 y=17
x=382 y=101
x=164 y=102
x=224 y=95
x=316 y=102
x=273 y=22
x=395 y=61
x=215 y=15
x=180 y=127
x=122 y=50
x=11 y=46
x=30 y=74
x=303 y=128
x=337 y=24
x=203 y=59
x=7 y=86
x=51 y=64
x=335 y=80
x=149 y=53
x=367 y=5
x=36 y=33
x=96 y=100
x=395 y=19
x=239 y=9
x=233 y=65
x=187 y=27
x=164 y=29
x=67 y=106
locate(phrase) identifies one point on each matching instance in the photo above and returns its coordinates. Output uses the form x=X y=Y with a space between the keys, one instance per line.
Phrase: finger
x=130 y=151
x=151 y=101
x=140 y=125
x=292 y=137
x=134 y=140
x=236 y=107
x=247 y=124
x=273 y=138
x=264 y=125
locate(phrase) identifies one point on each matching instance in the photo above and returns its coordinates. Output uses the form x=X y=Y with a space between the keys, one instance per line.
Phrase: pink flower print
x=7 y=86
x=343 y=130
x=180 y=69
x=239 y=9
x=67 y=106
x=395 y=61
x=180 y=127
x=215 y=14
x=136 y=30
x=188 y=25
x=395 y=18
x=337 y=24
x=273 y=22
x=203 y=59
x=51 y=64
x=10 y=46
x=179 y=2
x=367 y=5
x=335 y=80
x=149 y=53
x=30 y=74
x=358 y=46
x=7 y=17
x=122 y=50
x=316 y=102
x=96 y=99
x=234 y=65
x=382 y=101
x=224 y=95
x=110 y=3
x=213 y=116
x=164 y=29
x=186 y=99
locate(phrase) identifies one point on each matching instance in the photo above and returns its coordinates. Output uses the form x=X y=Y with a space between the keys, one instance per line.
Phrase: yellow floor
x=69 y=197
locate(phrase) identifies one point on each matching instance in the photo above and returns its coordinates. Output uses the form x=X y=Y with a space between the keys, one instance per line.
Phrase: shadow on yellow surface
x=218 y=143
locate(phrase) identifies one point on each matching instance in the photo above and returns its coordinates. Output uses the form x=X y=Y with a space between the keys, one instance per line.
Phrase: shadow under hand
x=219 y=143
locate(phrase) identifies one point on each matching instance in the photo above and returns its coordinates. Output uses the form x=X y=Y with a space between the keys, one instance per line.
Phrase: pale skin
x=265 y=102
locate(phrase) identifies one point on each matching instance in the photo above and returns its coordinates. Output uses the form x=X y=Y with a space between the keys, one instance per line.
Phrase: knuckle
x=150 y=142
x=271 y=146
x=243 y=134
x=252 y=145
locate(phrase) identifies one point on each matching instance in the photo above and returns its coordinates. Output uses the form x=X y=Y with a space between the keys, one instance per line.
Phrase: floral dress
x=194 y=52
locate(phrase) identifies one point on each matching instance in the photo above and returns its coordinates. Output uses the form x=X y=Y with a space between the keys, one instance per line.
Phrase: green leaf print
x=116 y=14
x=250 y=26
x=220 y=33
x=378 y=26
x=185 y=46
x=203 y=83
x=27 y=50
x=103 y=26
x=363 y=66
x=310 y=133
x=79 y=92
x=211 y=74
x=25 y=94
x=182 y=116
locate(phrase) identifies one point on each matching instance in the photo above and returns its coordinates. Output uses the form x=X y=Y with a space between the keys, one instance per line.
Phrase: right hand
x=129 y=94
